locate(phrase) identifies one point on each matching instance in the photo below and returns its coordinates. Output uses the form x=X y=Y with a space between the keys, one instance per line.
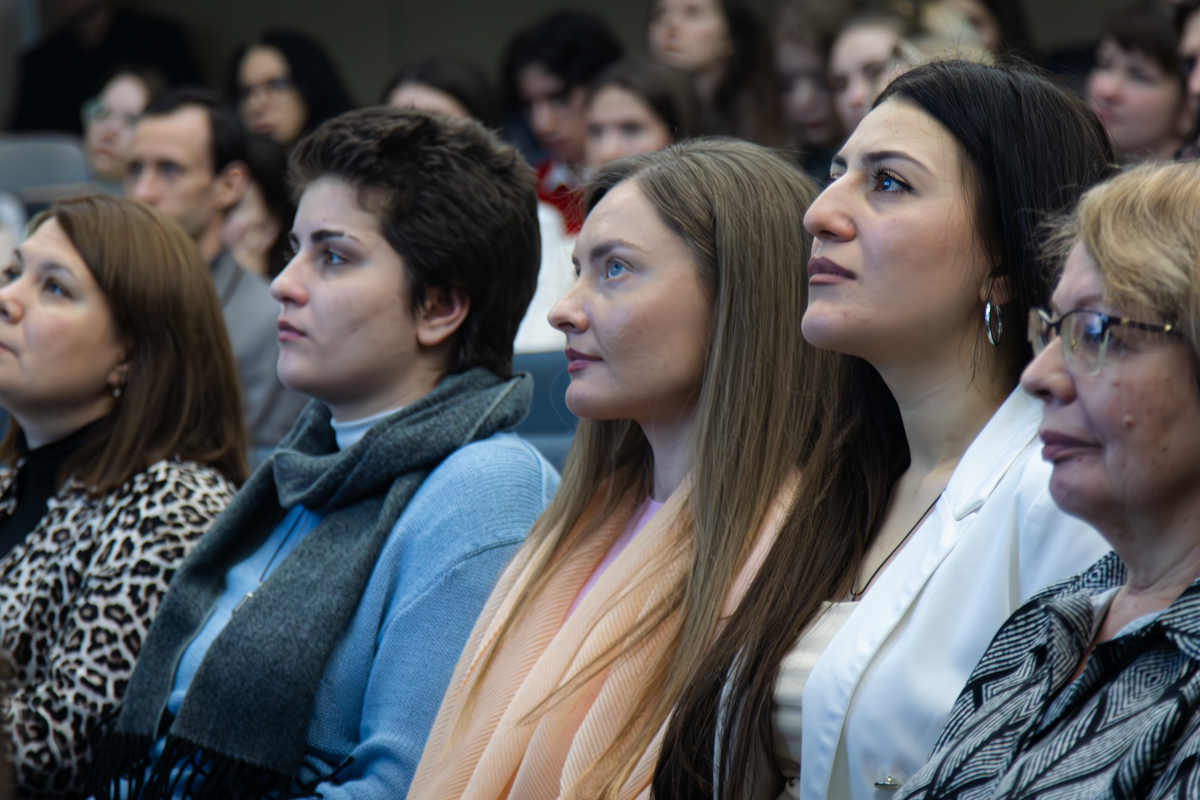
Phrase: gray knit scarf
x=244 y=719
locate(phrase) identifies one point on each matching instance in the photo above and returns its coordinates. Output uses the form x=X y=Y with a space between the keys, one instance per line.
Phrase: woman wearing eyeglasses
x=108 y=120
x=1092 y=688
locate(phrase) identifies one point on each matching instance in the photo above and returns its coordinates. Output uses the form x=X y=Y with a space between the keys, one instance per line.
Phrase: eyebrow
x=876 y=156
x=604 y=248
x=323 y=235
x=1088 y=301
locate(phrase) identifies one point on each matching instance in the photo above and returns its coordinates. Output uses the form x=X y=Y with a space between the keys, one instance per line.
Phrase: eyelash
x=879 y=173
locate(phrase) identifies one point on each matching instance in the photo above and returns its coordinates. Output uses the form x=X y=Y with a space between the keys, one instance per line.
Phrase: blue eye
x=615 y=269
x=333 y=259
x=54 y=287
x=886 y=181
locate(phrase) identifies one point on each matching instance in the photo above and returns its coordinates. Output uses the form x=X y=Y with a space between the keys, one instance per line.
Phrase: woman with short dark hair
x=126 y=442
x=305 y=645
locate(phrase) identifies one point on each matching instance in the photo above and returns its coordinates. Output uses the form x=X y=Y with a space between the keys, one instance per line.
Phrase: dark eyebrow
x=322 y=235
x=886 y=155
x=604 y=248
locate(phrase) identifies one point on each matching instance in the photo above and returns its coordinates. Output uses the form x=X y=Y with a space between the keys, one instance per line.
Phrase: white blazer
x=878 y=697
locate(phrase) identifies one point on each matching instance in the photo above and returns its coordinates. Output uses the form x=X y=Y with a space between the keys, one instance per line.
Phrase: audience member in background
x=126 y=442
x=361 y=554
x=1187 y=26
x=1001 y=25
x=108 y=120
x=188 y=160
x=1092 y=689
x=1138 y=86
x=255 y=230
x=548 y=69
x=636 y=107
x=859 y=59
x=284 y=85
x=723 y=46
x=924 y=519
x=95 y=38
x=803 y=35
x=700 y=401
x=12 y=224
x=444 y=85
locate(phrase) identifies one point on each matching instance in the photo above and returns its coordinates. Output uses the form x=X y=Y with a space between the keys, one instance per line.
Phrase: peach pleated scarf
x=500 y=751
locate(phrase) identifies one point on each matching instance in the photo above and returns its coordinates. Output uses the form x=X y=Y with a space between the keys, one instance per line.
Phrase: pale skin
x=693 y=37
x=1125 y=444
x=348 y=334
x=60 y=352
x=272 y=106
x=557 y=114
x=896 y=219
x=621 y=124
x=638 y=324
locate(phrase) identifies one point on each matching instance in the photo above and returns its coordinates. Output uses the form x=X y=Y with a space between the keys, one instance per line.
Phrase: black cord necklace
x=856 y=595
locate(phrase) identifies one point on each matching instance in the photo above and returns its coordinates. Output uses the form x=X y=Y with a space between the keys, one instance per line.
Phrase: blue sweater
x=384 y=682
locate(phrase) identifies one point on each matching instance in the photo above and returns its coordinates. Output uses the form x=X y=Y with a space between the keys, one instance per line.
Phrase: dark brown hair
x=668 y=92
x=1146 y=27
x=455 y=202
x=1032 y=149
x=181 y=398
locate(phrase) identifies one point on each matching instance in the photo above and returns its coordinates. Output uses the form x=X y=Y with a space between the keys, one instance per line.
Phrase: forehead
x=1080 y=283
x=537 y=83
x=183 y=136
x=901 y=126
x=623 y=213
x=1190 y=43
x=614 y=101
x=864 y=44
x=50 y=243
x=263 y=63
x=797 y=57
x=332 y=203
x=126 y=92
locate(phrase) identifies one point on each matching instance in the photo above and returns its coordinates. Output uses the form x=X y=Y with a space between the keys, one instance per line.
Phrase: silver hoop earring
x=995 y=336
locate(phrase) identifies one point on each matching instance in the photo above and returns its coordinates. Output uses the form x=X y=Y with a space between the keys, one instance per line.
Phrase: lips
x=577 y=360
x=288 y=332
x=823 y=270
x=1058 y=446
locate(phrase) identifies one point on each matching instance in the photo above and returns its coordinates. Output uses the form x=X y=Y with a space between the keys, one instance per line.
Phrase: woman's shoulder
x=163 y=489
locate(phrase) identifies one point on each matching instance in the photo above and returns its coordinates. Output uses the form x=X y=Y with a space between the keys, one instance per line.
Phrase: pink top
x=640 y=517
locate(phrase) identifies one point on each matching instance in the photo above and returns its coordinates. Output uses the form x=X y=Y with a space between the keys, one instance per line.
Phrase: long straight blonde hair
x=740 y=208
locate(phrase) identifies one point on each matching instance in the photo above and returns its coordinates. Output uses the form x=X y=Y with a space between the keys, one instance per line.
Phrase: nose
x=12 y=308
x=1047 y=377
x=288 y=286
x=144 y=186
x=569 y=314
x=828 y=218
x=608 y=147
x=1104 y=85
x=541 y=118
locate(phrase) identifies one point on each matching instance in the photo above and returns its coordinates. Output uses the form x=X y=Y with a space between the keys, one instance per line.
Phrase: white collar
x=1006 y=435
x=351 y=432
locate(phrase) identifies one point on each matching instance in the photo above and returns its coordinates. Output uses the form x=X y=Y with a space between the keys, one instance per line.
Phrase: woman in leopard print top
x=126 y=442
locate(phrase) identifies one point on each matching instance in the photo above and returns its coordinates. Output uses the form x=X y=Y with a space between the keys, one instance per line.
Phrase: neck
x=943 y=409
x=209 y=243
x=419 y=380
x=671 y=443
x=1159 y=547
x=43 y=428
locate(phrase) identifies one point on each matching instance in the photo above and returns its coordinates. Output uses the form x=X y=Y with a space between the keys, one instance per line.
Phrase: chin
x=587 y=405
x=822 y=329
x=1074 y=494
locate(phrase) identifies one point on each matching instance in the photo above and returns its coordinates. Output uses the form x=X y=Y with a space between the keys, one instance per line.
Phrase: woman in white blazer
x=923 y=518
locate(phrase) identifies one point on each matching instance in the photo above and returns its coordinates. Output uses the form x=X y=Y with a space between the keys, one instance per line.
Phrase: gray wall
x=371 y=39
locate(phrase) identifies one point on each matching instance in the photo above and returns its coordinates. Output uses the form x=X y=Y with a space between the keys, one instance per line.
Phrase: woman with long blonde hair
x=700 y=403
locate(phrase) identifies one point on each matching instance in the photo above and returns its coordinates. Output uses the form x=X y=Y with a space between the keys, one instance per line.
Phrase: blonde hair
x=1141 y=231
x=740 y=208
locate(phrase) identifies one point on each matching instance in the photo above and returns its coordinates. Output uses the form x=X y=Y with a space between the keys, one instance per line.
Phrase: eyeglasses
x=272 y=88
x=95 y=111
x=1086 y=335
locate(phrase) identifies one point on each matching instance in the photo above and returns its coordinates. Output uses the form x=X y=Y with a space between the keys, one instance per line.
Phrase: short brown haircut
x=181 y=398
x=1147 y=28
x=458 y=205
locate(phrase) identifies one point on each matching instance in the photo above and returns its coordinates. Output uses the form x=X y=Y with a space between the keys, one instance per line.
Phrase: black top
x=59 y=75
x=37 y=482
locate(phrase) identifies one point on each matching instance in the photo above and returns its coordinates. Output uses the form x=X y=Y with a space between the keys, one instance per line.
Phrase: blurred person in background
x=803 y=35
x=638 y=106
x=723 y=46
x=1001 y=25
x=1138 y=87
x=72 y=64
x=255 y=230
x=547 y=70
x=127 y=441
x=859 y=59
x=1187 y=26
x=444 y=85
x=284 y=85
x=108 y=120
x=188 y=160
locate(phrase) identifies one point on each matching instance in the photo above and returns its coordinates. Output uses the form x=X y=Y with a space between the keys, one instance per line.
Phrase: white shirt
x=555 y=278
x=880 y=694
x=351 y=432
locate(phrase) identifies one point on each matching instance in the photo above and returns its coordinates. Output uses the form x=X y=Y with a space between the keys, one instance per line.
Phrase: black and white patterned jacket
x=1129 y=727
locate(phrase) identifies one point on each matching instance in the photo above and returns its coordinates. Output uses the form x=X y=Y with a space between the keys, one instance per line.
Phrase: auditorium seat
x=42 y=167
x=549 y=426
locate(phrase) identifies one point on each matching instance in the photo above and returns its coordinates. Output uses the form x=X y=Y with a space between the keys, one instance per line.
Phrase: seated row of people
x=799 y=505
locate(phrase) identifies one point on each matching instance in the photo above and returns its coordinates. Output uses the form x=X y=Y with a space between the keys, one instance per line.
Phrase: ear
x=441 y=315
x=231 y=185
x=996 y=290
x=118 y=375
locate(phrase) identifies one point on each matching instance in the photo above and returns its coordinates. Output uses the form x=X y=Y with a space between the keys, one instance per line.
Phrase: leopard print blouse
x=76 y=600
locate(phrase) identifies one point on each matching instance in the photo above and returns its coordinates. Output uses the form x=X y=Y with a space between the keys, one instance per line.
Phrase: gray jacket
x=250 y=315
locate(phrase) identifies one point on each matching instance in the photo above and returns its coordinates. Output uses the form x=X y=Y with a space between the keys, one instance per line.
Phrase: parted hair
x=740 y=210
x=458 y=205
x=181 y=397
x=1140 y=231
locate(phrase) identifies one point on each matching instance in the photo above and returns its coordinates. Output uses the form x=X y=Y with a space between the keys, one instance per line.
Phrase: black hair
x=574 y=46
x=457 y=204
x=1015 y=34
x=668 y=92
x=268 y=161
x=458 y=78
x=1147 y=28
x=227 y=140
x=312 y=73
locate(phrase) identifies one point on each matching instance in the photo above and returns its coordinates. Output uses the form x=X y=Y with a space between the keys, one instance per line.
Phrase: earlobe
x=442 y=313
x=996 y=290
